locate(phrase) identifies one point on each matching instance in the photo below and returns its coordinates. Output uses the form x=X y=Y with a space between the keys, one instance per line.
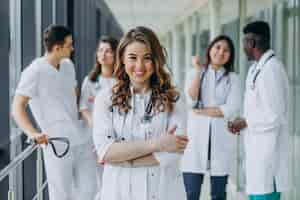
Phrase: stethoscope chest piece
x=97 y=86
x=146 y=119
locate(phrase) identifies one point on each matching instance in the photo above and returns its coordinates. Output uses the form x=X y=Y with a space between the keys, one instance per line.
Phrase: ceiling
x=156 y=14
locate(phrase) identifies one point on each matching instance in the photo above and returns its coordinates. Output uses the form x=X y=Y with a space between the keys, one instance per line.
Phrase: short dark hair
x=55 y=34
x=260 y=33
x=229 y=65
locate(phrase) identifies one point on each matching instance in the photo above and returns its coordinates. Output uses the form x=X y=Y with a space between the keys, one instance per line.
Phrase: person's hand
x=196 y=62
x=41 y=138
x=198 y=111
x=181 y=142
x=100 y=162
x=237 y=125
x=170 y=142
x=90 y=123
x=91 y=99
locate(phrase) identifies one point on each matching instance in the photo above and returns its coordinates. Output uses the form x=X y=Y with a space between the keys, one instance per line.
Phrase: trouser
x=73 y=176
x=271 y=196
x=193 y=183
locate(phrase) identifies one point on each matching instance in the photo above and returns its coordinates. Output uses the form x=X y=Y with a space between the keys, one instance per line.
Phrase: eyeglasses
x=60 y=145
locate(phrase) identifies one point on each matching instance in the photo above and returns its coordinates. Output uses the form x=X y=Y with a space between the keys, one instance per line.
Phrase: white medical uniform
x=266 y=138
x=163 y=182
x=222 y=91
x=90 y=89
x=53 y=104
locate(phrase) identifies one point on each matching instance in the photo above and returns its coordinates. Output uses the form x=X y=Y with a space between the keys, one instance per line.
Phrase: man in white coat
x=48 y=85
x=265 y=117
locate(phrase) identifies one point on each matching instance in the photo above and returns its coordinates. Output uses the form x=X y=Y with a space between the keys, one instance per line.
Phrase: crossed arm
x=141 y=153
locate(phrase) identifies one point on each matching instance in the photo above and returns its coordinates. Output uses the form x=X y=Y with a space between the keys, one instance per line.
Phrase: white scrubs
x=53 y=104
x=266 y=137
x=89 y=90
x=222 y=91
x=163 y=182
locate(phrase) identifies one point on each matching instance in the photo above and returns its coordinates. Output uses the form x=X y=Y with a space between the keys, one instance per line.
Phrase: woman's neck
x=140 y=88
x=215 y=67
x=107 y=71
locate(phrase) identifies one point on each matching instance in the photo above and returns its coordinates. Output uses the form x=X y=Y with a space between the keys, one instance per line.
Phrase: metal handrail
x=40 y=191
x=17 y=161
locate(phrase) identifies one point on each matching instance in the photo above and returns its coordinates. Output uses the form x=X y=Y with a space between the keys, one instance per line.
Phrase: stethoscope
x=51 y=142
x=145 y=120
x=252 y=86
x=148 y=115
x=199 y=103
x=97 y=84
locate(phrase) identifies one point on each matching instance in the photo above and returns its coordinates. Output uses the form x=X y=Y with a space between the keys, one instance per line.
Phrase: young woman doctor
x=100 y=77
x=139 y=125
x=214 y=94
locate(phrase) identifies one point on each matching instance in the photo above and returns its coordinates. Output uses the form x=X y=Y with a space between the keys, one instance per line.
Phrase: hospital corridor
x=96 y=34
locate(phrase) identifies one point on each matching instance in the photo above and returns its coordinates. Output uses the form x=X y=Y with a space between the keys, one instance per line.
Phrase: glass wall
x=283 y=17
x=4 y=98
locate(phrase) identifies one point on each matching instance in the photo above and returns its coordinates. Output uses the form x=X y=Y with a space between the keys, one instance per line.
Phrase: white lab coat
x=220 y=91
x=266 y=138
x=163 y=182
x=90 y=89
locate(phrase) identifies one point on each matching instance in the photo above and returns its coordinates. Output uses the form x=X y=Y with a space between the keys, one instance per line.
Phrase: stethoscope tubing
x=61 y=139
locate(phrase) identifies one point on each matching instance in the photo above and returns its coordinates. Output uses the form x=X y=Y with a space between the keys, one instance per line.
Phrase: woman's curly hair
x=164 y=94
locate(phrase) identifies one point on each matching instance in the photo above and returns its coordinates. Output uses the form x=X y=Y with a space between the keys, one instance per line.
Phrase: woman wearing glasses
x=100 y=77
x=214 y=95
x=139 y=125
